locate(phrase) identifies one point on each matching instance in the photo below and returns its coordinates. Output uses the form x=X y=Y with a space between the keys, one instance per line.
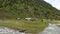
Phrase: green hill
x=27 y=8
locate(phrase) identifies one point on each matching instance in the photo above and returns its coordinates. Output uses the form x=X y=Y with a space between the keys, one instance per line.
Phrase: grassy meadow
x=31 y=27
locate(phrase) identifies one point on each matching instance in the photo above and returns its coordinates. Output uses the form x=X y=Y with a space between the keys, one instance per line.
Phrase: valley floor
x=31 y=27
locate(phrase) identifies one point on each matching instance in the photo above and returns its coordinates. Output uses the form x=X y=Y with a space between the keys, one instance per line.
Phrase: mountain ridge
x=27 y=8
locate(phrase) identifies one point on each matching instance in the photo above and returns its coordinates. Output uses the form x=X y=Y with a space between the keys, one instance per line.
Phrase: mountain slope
x=27 y=8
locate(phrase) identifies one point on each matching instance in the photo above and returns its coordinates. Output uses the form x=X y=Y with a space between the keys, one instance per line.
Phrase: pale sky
x=54 y=3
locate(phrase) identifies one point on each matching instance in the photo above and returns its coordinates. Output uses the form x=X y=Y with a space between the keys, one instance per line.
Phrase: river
x=5 y=30
x=51 y=29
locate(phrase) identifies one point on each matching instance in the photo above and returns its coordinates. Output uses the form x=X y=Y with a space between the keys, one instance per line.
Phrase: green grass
x=32 y=27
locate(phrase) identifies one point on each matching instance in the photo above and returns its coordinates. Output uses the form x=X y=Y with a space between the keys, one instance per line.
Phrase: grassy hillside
x=27 y=8
x=31 y=27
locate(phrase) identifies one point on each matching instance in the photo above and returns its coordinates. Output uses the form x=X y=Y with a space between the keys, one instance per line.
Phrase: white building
x=28 y=18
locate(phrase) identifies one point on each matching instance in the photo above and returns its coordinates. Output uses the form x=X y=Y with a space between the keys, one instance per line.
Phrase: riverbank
x=32 y=27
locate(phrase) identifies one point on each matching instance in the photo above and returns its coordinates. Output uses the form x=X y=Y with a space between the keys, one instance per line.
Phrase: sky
x=54 y=3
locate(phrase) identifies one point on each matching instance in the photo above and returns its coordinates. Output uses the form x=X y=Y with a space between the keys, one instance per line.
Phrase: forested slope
x=27 y=8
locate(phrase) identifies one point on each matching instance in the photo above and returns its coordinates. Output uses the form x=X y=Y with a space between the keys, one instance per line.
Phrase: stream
x=5 y=30
x=51 y=29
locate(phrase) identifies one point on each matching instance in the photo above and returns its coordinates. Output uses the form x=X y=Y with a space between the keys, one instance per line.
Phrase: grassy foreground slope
x=31 y=27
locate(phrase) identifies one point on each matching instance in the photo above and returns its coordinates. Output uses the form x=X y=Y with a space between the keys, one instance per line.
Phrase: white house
x=28 y=18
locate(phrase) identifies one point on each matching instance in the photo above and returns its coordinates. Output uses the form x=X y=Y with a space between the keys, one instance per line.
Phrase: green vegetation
x=32 y=27
x=36 y=9
x=11 y=9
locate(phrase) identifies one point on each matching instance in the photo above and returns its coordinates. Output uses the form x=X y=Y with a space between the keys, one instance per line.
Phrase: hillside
x=27 y=8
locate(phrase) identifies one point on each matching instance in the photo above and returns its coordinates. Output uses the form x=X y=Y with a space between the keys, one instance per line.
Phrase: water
x=5 y=30
x=51 y=29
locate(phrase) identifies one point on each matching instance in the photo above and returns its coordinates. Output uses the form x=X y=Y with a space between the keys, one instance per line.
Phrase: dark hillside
x=27 y=8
